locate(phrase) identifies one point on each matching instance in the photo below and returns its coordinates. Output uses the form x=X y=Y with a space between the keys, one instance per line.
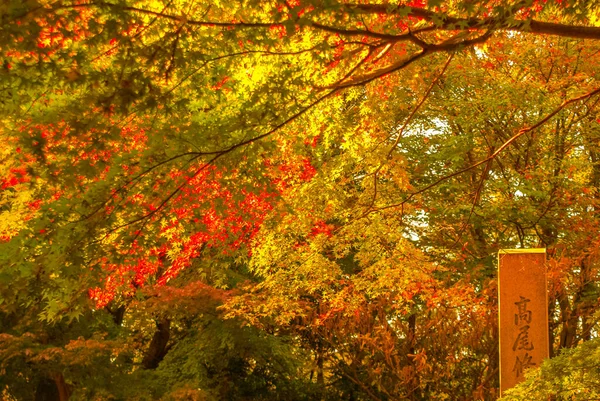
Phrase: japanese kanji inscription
x=523 y=310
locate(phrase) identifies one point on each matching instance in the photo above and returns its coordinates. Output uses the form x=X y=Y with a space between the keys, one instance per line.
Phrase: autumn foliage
x=297 y=200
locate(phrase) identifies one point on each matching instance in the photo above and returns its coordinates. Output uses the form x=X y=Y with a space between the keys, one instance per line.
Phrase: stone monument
x=523 y=313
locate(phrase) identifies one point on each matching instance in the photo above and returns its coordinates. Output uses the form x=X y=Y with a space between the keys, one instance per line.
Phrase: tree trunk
x=46 y=390
x=64 y=390
x=412 y=341
x=53 y=388
x=158 y=346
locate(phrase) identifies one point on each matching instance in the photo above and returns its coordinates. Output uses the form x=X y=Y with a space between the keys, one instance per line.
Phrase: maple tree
x=335 y=177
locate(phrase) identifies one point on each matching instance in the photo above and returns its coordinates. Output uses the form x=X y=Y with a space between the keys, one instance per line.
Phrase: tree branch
x=512 y=139
x=217 y=155
x=455 y=23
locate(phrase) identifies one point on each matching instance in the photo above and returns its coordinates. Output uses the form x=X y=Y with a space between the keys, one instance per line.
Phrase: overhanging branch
x=455 y=23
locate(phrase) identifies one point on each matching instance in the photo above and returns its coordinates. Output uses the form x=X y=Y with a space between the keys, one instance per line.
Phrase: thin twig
x=476 y=198
x=418 y=106
x=405 y=125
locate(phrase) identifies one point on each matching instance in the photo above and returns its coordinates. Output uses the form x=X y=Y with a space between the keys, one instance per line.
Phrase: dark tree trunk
x=412 y=341
x=46 y=390
x=64 y=390
x=158 y=346
x=52 y=389
x=117 y=314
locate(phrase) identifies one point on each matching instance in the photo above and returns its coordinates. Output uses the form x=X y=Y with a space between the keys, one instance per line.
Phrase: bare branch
x=445 y=47
x=362 y=80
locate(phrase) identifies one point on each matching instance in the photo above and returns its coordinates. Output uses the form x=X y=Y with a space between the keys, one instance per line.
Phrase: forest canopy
x=293 y=200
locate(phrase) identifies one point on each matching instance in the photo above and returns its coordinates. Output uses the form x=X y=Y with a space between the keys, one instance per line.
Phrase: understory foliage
x=292 y=200
x=573 y=375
